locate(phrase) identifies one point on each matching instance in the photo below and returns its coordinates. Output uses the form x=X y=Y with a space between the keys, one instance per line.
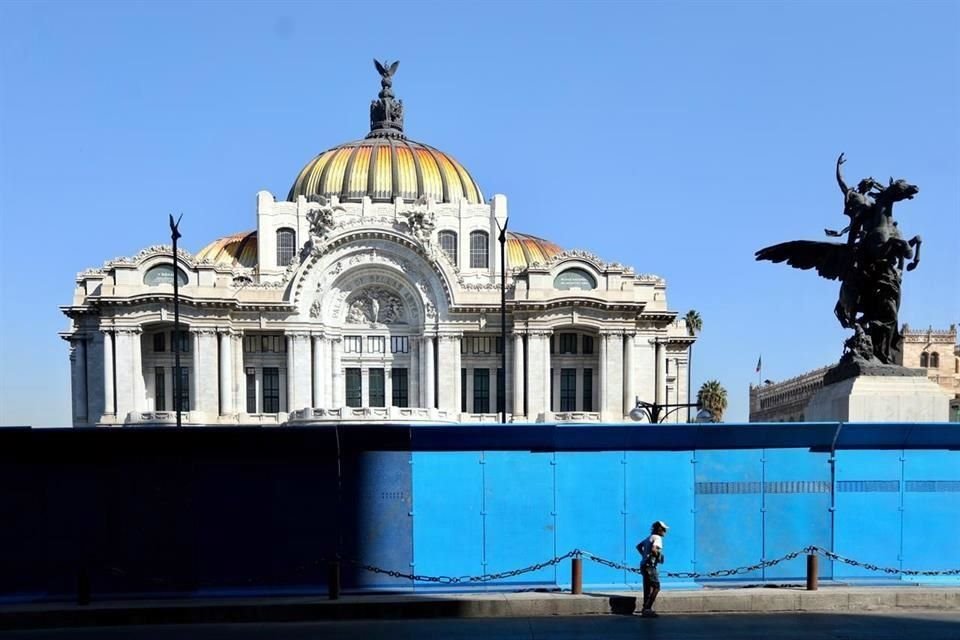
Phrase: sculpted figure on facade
x=420 y=219
x=321 y=219
x=376 y=306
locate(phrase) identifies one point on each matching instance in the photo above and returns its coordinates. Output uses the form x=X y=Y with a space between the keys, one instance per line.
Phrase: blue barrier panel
x=796 y=509
x=377 y=488
x=590 y=513
x=728 y=498
x=448 y=514
x=931 y=513
x=659 y=486
x=519 y=504
x=867 y=521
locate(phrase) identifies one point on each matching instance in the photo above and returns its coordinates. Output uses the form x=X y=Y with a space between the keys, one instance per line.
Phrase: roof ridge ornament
x=386 y=113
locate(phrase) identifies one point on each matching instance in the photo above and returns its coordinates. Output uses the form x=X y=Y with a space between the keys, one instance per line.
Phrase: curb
x=506 y=605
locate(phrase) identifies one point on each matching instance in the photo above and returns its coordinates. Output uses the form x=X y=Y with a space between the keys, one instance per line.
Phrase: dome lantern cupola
x=386 y=164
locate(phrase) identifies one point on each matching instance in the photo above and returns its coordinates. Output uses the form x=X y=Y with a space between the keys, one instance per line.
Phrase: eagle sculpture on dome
x=386 y=70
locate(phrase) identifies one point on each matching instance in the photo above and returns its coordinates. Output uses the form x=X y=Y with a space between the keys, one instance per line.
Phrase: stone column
x=430 y=369
x=518 y=368
x=337 y=390
x=137 y=380
x=602 y=375
x=194 y=371
x=629 y=387
x=226 y=372
x=123 y=372
x=205 y=374
x=109 y=397
x=413 y=375
x=469 y=407
x=661 y=377
x=387 y=385
x=555 y=388
x=319 y=376
x=449 y=384
x=538 y=380
x=298 y=371
x=78 y=383
x=239 y=390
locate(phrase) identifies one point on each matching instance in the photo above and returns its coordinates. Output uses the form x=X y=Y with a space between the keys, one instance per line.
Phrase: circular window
x=574 y=279
x=163 y=274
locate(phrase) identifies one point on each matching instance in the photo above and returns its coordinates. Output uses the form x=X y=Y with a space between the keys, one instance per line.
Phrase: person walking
x=651 y=555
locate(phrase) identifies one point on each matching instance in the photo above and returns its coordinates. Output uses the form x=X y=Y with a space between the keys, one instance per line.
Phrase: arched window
x=924 y=360
x=479 y=250
x=574 y=279
x=285 y=246
x=934 y=360
x=448 y=242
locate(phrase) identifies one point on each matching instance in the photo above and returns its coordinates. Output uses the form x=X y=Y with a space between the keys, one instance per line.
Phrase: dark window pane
x=587 y=345
x=285 y=246
x=399 y=344
x=587 y=390
x=568 y=343
x=501 y=390
x=159 y=387
x=463 y=390
x=481 y=390
x=376 y=388
x=354 y=391
x=568 y=389
x=184 y=403
x=271 y=390
x=400 y=384
x=448 y=242
x=479 y=250
x=160 y=342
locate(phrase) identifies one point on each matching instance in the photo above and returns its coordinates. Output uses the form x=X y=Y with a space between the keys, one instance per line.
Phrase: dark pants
x=651 y=585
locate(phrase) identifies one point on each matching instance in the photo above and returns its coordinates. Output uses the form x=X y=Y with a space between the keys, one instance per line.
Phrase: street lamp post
x=502 y=378
x=656 y=413
x=174 y=234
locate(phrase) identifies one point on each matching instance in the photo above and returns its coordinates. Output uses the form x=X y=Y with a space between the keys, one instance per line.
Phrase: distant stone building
x=937 y=351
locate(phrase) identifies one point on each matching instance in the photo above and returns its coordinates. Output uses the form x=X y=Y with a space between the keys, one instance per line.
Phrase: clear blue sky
x=675 y=137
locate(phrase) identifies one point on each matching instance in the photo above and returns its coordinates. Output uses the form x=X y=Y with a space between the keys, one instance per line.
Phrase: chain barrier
x=872 y=567
x=577 y=553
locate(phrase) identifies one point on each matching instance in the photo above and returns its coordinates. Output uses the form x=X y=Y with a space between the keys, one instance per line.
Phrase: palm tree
x=694 y=325
x=713 y=397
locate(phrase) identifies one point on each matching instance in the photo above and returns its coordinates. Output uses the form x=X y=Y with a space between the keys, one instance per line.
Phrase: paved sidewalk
x=474 y=605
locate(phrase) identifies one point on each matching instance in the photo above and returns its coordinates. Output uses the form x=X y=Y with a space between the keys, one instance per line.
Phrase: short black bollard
x=83 y=588
x=333 y=580
x=813 y=571
x=576 y=575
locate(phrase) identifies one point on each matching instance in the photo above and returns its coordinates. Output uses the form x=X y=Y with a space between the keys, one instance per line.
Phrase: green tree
x=713 y=397
x=694 y=325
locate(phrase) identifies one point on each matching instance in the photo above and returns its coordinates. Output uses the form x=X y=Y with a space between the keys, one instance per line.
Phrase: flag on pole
x=759 y=363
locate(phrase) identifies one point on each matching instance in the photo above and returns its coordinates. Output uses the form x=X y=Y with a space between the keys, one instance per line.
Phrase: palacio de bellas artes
x=372 y=292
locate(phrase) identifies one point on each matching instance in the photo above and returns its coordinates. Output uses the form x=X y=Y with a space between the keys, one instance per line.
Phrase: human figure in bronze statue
x=869 y=266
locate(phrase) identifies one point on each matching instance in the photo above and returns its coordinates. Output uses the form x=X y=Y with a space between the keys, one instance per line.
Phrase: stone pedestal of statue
x=856 y=392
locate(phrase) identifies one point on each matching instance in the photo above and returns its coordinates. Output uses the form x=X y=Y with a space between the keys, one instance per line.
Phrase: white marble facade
x=388 y=310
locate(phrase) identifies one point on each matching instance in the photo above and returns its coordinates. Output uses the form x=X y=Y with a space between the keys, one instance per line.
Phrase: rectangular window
x=251 y=390
x=353 y=344
x=271 y=390
x=273 y=344
x=568 y=343
x=251 y=344
x=354 y=388
x=159 y=386
x=587 y=345
x=481 y=344
x=587 y=390
x=552 y=408
x=160 y=342
x=184 y=403
x=463 y=390
x=399 y=344
x=401 y=386
x=464 y=342
x=568 y=389
x=553 y=342
x=479 y=249
x=377 y=398
x=375 y=345
x=183 y=344
x=501 y=390
x=499 y=343
x=481 y=390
